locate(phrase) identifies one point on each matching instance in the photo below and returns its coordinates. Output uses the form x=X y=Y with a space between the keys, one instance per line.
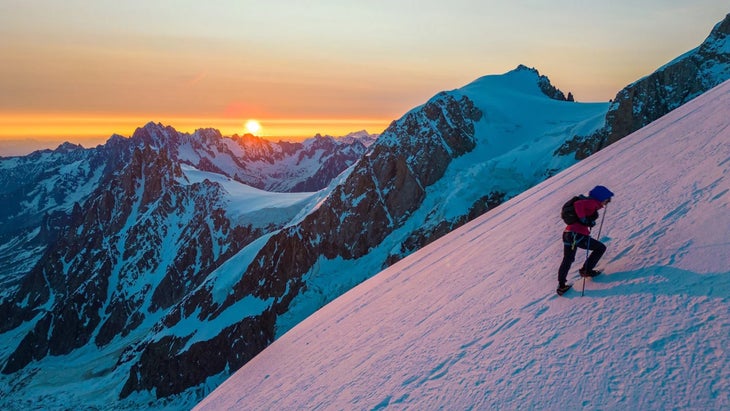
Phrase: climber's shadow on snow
x=660 y=280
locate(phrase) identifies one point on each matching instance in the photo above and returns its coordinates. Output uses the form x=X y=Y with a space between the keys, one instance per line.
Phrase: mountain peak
x=543 y=82
x=718 y=42
x=67 y=147
x=521 y=79
x=209 y=133
x=522 y=67
x=155 y=134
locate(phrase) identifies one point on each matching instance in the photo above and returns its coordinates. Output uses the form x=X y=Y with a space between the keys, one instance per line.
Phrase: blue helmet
x=600 y=193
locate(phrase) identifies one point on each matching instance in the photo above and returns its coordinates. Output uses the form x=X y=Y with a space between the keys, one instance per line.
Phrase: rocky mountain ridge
x=42 y=188
x=655 y=95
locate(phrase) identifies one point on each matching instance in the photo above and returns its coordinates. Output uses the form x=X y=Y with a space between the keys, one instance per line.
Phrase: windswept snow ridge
x=472 y=321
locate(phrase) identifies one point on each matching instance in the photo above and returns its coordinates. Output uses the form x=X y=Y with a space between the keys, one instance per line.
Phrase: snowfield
x=472 y=321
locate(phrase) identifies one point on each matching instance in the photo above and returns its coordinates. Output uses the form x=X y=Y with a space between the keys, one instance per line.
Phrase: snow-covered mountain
x=159 y=267
x=281 y=167
x=98 y=244
x=472 y=321
x=39 y=191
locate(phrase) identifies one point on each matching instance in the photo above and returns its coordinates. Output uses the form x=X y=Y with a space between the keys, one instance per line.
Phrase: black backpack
x=567 y=213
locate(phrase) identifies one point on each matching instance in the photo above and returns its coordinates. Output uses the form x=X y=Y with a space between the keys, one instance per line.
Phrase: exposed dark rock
x=430 y=233
x=168 y=374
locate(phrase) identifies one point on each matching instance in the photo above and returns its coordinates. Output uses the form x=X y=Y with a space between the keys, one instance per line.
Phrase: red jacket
x=584 y=208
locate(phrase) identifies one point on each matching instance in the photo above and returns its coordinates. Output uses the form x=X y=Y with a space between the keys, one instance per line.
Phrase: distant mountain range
x=145 y=271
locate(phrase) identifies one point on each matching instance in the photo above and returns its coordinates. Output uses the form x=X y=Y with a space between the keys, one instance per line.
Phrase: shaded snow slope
x=252 y=205
x=472 y=321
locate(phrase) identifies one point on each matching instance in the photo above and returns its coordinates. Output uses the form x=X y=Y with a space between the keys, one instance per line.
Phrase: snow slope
x=252 y=205
x=472 y=321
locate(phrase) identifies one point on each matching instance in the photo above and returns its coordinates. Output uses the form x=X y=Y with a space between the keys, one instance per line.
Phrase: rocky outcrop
x=430 y=233
x=230 y=349
x=329 y=159
x=655 y=95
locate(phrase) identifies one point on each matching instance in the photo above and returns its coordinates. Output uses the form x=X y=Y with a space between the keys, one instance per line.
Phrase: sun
x=253 y=126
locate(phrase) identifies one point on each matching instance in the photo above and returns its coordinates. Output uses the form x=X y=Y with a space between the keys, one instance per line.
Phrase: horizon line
x=58 y=126
x=24 y=133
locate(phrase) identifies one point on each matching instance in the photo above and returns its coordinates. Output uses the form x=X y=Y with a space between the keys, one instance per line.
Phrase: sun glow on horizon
x=90 y=129
x=58 y=125
x=253 y=127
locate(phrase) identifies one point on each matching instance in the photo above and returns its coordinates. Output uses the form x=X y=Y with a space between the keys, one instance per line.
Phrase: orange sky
x=82 y=71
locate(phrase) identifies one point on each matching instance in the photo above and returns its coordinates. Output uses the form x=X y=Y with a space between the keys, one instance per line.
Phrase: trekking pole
x=588 y=249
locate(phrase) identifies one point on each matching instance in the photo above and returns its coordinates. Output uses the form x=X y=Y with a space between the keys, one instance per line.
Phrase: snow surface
x=252 y=204
x=472 y=320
